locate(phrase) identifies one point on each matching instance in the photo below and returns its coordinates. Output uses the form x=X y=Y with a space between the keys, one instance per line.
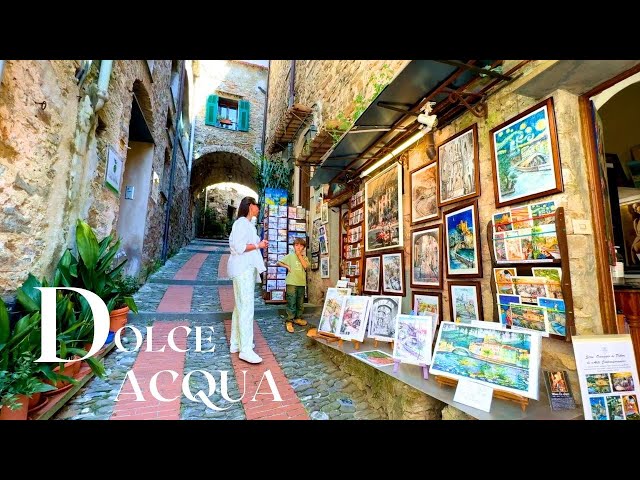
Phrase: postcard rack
x=524 y=268
x=519 y=399
x=353 y=245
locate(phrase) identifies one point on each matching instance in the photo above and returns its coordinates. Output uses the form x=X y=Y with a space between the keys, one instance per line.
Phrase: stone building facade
x=227 y=153
x=54 y=149
x=316 y=82
x=330 y=88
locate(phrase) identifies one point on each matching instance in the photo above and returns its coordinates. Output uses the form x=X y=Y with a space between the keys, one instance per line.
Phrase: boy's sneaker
x=251 y=357
x=299 y=321
x=289 y=327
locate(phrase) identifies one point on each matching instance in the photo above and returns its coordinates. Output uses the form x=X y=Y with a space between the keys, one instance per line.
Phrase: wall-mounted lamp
x=311 y=133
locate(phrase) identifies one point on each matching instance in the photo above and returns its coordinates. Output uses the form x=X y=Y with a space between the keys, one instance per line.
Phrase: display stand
x=375 y=343
x=329 y=337
x=522 y=401
x=356 y=343
x=524 y=268
x=279 y=230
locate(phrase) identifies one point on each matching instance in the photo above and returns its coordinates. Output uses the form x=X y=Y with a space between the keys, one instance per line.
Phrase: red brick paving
x=148 y=364
x=227 y=300
x=189 y=270
x=222 y=266
x=265 y=407
x=177 y=299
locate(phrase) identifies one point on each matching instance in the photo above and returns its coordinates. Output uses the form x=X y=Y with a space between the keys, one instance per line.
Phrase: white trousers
x=242 y=318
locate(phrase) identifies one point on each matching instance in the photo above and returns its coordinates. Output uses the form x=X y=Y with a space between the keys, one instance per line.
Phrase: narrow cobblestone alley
x=192 y=289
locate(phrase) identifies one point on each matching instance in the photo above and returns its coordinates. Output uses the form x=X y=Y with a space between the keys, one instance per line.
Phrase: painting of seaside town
x=383 y=216
x=462 y=242
x=503 y=359
x=556 y=315
x=526 y=162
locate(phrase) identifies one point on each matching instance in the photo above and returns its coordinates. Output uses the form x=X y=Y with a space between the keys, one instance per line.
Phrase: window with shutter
x=243 y=115
x=211 y=113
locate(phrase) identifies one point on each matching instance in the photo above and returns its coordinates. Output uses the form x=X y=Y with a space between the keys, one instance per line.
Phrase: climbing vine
x=272 y=173
x=343 y=122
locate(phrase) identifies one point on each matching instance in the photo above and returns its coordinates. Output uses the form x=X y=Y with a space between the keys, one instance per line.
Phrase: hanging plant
x=272 y=173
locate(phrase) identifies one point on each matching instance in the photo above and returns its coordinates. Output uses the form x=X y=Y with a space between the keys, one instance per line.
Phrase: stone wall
x=221 y=198
x=236 y=80
x=53 y=160
x=332 y=86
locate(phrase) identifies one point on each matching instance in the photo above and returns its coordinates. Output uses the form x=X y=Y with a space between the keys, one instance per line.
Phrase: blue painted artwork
x=504 y=310
x=556 y=315
x=462 y=257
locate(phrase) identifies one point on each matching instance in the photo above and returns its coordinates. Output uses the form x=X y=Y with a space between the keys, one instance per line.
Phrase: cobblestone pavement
x=322 y=391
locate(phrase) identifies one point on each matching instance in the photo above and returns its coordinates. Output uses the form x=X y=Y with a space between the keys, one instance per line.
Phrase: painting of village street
x=503 y=359
x=523 y=155
x=383 y=217
x=461 y=241
x=414 y=336
x=425 y=266
x=332 y=310
x=354 y=318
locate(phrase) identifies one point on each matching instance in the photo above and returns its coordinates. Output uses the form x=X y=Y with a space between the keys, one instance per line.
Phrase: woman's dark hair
x=243 y=209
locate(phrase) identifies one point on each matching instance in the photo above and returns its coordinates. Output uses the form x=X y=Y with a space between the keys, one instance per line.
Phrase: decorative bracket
x=480 y=109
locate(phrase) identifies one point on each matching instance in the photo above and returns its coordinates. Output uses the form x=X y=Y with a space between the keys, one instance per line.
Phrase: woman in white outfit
x=245 y=265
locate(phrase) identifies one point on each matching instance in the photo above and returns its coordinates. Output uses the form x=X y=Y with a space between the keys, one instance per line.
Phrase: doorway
x=136 y=187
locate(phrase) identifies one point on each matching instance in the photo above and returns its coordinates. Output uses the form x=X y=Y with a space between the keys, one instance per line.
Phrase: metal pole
x=174 y=154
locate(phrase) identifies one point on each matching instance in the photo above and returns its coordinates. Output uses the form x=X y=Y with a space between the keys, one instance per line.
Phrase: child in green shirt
x=296 y=264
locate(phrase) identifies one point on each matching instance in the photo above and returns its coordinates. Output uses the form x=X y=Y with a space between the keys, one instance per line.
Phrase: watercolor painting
x=332 y=310
x=426 y=269
x=462 y=241
x=459 y=173
x=503 y=359
x=354 y=318
x=383 y=210
x=464 y=302
x=556 y=315
x=424 y=201
x=377 y=358
x=372 y=274
x=504 y=308
x=504 y=282
x=413 y=339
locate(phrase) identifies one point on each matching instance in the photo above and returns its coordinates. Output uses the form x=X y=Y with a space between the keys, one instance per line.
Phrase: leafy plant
x=343 y=122
x=272 y=173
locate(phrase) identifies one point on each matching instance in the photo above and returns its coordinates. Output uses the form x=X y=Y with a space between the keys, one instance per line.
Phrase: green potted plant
x=20 y=375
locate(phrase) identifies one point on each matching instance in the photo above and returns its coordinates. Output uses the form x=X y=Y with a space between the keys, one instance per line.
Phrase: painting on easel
x=382 y=317
x=354 y=318
x=413 y=339
x=332 y=311
x=507 y=360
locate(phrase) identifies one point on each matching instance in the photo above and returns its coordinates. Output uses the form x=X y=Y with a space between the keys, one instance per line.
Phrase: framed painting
x=382 y=317
x=354 y=318
x=424 y=198
x=427 y=303
x=383 y=210
x=502 y=359
x=458 y=167
x=426 y=257
x=393 y=273
x=324 y=267
x=331 y=315
x=413 y=339
x=525 y=156
x=462 y=241
x=465 y=302
x=372 y=272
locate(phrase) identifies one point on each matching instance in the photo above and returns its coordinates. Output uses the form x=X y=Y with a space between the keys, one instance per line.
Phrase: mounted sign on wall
x=113 y=174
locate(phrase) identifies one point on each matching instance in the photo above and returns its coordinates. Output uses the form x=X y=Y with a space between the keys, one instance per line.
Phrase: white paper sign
x=341 y=283
x=608 y=377
x=474 y=394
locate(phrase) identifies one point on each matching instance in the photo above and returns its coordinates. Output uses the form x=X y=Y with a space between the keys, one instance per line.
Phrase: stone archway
x=218 y=165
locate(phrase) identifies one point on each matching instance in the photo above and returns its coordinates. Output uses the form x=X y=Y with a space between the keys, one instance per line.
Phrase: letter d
x=48 y=340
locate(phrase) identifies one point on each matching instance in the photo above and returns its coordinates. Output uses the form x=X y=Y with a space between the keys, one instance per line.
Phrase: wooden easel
x=375 y=343
x=356 y=343
x=523 y=401
x=425 y=368
x=329 y=337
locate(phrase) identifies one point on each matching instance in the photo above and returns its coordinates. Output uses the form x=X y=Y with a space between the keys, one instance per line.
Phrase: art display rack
x=348 y=244
x=271 y=224
x=523 y=268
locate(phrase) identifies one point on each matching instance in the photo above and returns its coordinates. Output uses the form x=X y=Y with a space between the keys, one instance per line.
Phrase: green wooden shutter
x=243 y=115
x=211 y=113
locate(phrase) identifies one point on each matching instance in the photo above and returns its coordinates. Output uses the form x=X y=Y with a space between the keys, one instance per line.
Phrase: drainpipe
x=174 y=154
x=266 y=105
x=2 y=71
x=292 y=82
x=103 y=83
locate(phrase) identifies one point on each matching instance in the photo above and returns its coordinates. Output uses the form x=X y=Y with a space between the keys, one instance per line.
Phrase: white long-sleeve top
x=242 y=233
